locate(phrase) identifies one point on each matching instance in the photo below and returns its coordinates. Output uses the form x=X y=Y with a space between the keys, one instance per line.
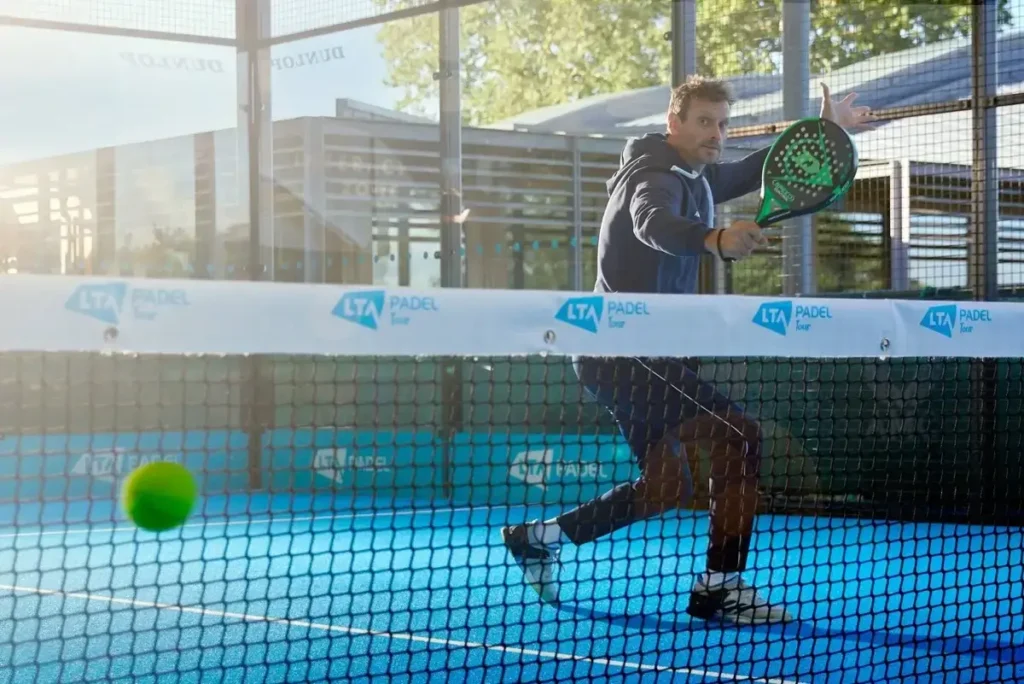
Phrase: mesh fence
x=1008 y=32
x=905 y=226
x=208 y=18
x=296 y=16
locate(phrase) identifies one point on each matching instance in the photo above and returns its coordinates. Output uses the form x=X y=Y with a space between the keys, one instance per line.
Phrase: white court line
x=228 y=523
x=398 y=636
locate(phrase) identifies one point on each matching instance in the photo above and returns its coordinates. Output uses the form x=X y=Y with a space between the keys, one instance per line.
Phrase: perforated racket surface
x=808 y=168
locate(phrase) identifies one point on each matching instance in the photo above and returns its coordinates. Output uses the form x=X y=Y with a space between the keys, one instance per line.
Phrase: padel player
x=656 y=226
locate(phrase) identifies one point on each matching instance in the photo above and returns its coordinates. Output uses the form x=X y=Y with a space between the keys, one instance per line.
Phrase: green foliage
x=520 y=55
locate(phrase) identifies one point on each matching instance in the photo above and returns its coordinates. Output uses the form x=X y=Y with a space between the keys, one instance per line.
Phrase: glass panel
x=122 y=157
x=356 y=162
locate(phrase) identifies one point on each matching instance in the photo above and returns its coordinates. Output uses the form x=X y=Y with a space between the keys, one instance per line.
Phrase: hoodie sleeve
x=656 y=217
x=729 y=180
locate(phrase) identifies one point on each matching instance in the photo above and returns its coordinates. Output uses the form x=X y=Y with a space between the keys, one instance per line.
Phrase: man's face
x=700 y=137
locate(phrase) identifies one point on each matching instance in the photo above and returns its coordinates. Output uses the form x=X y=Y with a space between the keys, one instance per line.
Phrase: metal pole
x=684 y=40
x=982 y=264
x=451 y=149
x=899 y=225
x=451 y=223
x=577 y=217
x=252 y=24
x=683 y=35
x=314 y=227
x=798 y=275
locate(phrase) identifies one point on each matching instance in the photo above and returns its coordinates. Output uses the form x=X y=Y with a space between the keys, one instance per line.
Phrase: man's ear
x=672 y=123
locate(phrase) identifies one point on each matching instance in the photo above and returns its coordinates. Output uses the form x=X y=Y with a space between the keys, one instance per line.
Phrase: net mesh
x=207 y=18
x=358 y=453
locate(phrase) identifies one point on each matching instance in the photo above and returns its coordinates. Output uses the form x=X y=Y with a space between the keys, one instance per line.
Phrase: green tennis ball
x=159 y=496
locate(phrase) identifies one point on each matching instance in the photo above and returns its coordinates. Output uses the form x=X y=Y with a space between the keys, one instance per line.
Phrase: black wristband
x=718 y=246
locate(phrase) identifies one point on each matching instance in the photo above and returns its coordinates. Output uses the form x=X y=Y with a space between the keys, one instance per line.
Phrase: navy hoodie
x=658 y=212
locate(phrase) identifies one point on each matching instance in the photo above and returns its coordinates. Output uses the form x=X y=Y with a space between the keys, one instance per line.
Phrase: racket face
x=810 y=166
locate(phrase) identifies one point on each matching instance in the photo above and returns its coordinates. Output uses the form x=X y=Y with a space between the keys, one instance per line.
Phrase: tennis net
x=359 y=451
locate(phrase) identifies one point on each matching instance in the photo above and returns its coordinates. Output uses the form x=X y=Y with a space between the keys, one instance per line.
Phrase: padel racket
x=808 y=168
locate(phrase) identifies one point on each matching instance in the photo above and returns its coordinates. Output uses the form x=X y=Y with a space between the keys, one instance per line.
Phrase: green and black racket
x=808 y=168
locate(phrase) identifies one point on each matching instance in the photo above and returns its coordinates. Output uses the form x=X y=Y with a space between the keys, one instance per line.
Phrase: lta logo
x=781 y=317
x=774 y=316
x=947 y=319
x=582 y=312
x=587 y=313
x=361 y=308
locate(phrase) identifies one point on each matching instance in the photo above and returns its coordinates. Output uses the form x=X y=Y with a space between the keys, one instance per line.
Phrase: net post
x=254 y=118
x=450 y=132
x=982 y=265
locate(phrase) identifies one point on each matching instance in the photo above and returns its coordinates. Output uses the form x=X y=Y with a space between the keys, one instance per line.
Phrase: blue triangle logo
x=102 y=302
x=582 y=312
x=361 y=308
x=940 y=319
x=774 y=316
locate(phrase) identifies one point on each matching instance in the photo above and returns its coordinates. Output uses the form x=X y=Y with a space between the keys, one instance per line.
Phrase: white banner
x=965 y=329
x=64 y=313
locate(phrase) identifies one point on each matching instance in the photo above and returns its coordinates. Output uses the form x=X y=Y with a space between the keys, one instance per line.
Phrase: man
x=657 y=225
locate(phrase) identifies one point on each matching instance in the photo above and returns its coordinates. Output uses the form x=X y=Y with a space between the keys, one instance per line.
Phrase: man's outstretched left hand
x=851 y=118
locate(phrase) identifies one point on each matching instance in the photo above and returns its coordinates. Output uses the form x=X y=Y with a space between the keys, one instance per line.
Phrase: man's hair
x=699 y=88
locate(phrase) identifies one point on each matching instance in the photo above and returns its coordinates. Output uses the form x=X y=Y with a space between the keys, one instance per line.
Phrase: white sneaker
x=539 y=563
x=733 y=601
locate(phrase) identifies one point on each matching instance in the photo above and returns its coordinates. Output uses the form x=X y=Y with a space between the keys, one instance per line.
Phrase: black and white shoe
x=733 y=601
x=539 y=563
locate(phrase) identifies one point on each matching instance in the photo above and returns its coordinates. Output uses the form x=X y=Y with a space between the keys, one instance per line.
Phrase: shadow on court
x=991 y=650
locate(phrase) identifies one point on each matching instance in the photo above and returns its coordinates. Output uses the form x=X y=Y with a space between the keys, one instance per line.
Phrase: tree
x=520 y=55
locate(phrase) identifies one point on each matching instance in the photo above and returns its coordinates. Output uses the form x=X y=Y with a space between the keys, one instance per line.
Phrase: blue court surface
x=276 y=589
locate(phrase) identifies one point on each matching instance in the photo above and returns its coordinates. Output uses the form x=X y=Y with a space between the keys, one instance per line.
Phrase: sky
x=65 y=92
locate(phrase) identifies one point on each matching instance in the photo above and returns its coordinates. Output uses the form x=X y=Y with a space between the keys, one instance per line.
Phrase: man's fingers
x=742 y=239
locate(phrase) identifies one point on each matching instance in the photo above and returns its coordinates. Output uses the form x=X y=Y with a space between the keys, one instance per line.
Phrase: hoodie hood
x=649 y=152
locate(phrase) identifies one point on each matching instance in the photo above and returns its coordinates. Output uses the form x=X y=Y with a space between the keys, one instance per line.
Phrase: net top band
x=93 y=314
